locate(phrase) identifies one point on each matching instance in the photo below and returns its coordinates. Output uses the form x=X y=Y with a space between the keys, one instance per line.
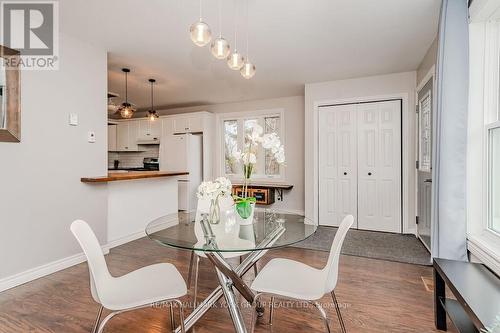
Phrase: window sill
x=486 y=247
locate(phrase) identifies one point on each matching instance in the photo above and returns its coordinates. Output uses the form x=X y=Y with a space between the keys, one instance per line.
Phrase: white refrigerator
x=184 y=152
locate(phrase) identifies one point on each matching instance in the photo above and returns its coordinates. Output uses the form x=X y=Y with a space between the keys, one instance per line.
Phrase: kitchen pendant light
x=126 y=110
x=200 y=32
x=152 y=114
x=235 y=60
x=248 y=69
x=220 y=46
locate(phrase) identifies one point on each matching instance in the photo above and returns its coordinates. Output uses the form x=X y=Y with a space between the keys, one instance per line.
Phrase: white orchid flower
x=255 y=137
x=236 y=154
x=270 y=141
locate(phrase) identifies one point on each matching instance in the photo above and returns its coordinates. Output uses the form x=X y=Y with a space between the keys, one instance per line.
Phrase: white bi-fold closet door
x=360 y=165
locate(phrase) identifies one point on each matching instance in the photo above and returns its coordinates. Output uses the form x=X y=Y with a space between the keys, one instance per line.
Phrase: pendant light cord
x=152 y=103
x=246 y=14
x=126 y=88
x=220 y=18
x=235 y=24
x=200 y=12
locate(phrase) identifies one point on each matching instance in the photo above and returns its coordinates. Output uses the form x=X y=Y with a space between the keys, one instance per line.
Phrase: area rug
x=371 y=244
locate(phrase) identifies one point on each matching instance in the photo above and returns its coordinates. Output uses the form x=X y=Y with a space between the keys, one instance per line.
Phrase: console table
x=477 y=293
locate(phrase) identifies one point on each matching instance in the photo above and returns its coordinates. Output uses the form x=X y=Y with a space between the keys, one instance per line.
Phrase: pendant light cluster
x=201 y=35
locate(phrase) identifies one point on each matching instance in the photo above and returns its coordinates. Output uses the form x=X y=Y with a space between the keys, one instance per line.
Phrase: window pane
x=494 y=177
x=271 y=125
x=231 y=144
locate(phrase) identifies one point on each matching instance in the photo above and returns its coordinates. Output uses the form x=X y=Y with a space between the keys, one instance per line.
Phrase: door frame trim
x=401 y=151
x=408 y=158
x=431 y=75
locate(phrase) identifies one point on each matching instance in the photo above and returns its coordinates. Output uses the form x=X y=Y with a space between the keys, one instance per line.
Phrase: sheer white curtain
x=450 y=134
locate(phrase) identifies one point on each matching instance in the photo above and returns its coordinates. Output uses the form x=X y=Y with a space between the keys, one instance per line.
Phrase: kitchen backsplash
x=129 y=159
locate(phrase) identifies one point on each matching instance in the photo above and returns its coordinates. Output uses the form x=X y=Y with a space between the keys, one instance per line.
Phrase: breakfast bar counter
x=130 y=175
x=134 y=199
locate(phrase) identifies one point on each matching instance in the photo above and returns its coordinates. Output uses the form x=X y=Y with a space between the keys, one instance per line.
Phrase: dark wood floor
x=378 y=296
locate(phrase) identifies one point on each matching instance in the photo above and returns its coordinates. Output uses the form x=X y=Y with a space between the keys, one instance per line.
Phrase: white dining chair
x=289 y=279
x=226 y=204
x=148 y=286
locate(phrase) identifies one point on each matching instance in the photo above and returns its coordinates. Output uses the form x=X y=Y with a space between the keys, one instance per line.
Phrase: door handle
x=428 y=181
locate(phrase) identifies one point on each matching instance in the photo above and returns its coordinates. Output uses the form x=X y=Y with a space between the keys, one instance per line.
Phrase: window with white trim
x=235 y=129
x=483 y=150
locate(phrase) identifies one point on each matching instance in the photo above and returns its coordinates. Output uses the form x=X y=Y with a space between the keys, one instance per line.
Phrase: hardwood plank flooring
x=377 y=296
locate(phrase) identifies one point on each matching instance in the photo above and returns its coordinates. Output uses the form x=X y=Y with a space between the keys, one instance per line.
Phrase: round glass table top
x=192 y=231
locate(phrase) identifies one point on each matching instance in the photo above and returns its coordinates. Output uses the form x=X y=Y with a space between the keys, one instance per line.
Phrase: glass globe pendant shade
x=235 y=61
x=220 y=48
x=248 y=70
x=200 y=33
x=126 y=111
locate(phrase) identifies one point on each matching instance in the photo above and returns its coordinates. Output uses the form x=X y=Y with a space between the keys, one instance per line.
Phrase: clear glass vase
x=214 y=216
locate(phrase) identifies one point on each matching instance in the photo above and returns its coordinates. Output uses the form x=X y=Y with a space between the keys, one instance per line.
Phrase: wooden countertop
x=115 y=176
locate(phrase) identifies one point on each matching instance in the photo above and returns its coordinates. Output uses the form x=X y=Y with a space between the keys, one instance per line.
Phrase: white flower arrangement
x=212 y=190
x=269 y=141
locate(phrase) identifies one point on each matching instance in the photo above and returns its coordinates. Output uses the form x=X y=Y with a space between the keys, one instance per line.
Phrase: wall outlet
x=73 y=119
x=91 y=137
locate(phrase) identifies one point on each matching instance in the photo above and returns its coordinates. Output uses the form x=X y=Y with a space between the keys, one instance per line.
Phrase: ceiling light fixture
x=152 y=114
x=126 y=110
x=235 y=60
x=200 y=32
x=220 y=46
x=248 y=69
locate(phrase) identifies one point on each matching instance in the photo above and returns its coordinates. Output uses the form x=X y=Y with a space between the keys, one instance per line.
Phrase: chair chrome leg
x=339 y=314
x=181 y=315
x=271 y=311
x=323 y=314
x=172 y=319
x=255 y=304
x=98 y=318
x=255 y=270
x=196 y=273
x=190 y=271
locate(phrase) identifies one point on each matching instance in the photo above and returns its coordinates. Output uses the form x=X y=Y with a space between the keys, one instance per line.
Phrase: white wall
x=400 y=85
x=294 y=140
x=429 y=60
x=40 y=188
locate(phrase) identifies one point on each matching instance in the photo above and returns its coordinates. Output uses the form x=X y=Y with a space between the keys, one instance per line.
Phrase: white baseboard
x=122 y=240
x=43 y=270
x=136 y=235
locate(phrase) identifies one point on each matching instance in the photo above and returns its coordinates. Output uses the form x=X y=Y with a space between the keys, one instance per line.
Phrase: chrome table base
x=229 y=279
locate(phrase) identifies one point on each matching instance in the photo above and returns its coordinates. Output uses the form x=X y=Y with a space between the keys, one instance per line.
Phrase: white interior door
x=337 y=164
x=379 y=166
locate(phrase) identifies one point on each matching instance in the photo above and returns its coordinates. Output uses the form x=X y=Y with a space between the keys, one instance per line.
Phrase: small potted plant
x=213 y=191
x=245 y=204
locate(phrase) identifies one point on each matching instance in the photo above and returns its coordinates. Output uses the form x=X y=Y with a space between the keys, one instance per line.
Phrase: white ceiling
x=291 y=43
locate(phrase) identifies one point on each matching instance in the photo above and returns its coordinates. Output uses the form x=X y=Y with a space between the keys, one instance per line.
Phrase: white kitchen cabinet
x=127 y=133
x=122 y=136
x=133 y=135
x=167 y=126
x=112 y=138
x=149 y=130
x=192 y=124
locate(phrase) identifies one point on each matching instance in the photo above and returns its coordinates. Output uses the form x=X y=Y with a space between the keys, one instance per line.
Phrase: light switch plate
x=91 y=137
x=73 y=119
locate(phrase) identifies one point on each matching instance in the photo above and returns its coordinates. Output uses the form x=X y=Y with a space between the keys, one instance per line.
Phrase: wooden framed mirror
x=10 y=95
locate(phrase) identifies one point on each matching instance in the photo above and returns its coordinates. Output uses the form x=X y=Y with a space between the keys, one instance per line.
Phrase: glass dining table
x=194 y=232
